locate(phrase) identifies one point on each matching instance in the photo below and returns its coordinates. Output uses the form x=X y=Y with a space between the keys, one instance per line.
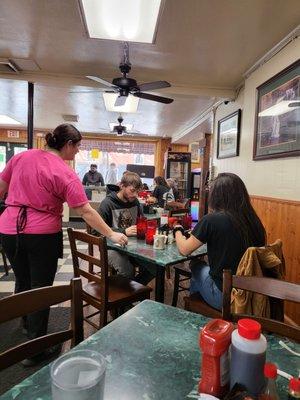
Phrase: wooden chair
x=24 y=303
x=267 y=286
x=196 y=304
x=105 y=293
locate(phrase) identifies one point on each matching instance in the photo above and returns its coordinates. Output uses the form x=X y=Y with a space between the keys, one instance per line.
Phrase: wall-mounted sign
x=13 y=134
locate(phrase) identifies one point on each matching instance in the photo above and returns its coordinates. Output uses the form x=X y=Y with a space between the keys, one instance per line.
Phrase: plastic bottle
x=294 y=389
x=248 y=356
x=270 y=391
x=214 y=341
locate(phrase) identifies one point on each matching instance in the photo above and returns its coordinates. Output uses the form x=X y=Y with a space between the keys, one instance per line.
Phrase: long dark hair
x=228 y=194
x=61 y=135
x=159 y=180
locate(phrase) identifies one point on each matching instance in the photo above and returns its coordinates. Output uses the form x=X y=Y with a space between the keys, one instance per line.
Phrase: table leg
x=160 y=284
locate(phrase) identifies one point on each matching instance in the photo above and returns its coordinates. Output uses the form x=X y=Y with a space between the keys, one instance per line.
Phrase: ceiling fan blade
x=120 y=101
x=99 y=80
x=148 y=96
x=87 y=91
x=153 y=85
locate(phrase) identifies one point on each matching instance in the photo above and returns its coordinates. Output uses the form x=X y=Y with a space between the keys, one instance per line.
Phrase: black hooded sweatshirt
x=118 y=214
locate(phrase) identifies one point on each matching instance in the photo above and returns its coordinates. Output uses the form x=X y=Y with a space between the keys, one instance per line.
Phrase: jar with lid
x=248 y=356
x=294 y=389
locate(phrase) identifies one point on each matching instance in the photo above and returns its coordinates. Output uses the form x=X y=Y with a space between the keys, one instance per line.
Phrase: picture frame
x=194 y=149
x=228 y=142
x=277 y=117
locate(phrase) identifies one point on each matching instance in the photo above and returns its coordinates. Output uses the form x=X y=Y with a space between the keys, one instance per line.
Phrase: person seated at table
x=173 y=185
x=145 y=186
x=160 y=191
x=231 y=226
x=120 y=211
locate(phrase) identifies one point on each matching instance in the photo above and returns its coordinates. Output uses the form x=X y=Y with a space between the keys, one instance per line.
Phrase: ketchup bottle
x=214 y=341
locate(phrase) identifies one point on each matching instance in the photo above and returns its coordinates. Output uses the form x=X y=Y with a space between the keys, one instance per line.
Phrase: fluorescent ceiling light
x=6 y=120
x=130 y=20
x=282 y=107
x=113 y=124
x=130 y=105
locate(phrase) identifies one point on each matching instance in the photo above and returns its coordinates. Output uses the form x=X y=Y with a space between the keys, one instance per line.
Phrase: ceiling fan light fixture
x=131 y=20
x=112 y=125
x=130 y=105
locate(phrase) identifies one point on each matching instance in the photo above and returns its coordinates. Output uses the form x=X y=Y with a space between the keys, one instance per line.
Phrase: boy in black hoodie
x=120 y=211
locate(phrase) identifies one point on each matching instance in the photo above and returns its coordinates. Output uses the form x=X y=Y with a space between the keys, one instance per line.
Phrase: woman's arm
x=186 y=246
x=93 y=219
x=3 y=188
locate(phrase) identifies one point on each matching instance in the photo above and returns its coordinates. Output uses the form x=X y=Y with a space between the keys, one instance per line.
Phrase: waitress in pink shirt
x=38 y=182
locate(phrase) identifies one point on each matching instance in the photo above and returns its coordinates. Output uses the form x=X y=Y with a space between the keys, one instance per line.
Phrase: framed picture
x=277 y=128
x=229 y=135
x=195 y=153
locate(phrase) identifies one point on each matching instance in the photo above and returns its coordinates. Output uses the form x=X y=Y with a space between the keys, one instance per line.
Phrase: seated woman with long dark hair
x=229 y=229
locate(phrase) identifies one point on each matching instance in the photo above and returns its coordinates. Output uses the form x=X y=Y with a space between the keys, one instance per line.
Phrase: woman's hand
x=119 y=238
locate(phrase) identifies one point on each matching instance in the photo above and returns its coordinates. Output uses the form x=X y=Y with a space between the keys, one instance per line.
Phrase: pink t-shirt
x=42 y=180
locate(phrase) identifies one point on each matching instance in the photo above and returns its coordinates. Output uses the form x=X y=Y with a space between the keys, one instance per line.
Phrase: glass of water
x=78 y=375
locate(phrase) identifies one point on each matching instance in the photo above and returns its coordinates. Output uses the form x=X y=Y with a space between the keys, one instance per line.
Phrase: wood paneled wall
x=281 y=219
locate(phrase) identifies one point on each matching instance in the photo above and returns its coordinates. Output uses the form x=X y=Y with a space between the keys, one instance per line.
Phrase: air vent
x=70 y=118
x=7 y=65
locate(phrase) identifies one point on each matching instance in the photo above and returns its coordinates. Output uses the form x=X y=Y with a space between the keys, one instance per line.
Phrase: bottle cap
x=294 y=384
x=249 y=328
x=270 y=370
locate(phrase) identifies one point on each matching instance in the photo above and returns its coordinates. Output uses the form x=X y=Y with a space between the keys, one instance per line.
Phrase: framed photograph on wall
x=195 y=152
x=277 y=128
x=229 y=135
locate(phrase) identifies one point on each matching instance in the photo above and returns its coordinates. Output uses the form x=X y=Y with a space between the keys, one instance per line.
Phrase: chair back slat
x=179 y=213
x=270 y=287
x=33 y=300
x=267 y=286
x=29 y=349
x=37 y=299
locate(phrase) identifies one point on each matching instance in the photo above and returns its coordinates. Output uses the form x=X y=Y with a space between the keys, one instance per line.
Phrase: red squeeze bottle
x=214 y=341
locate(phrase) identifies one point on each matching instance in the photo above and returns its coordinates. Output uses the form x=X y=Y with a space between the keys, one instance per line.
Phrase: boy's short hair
x=93 y=165
x=131 y=179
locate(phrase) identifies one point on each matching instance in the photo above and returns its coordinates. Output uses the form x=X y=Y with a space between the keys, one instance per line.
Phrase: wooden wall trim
x=276 y=200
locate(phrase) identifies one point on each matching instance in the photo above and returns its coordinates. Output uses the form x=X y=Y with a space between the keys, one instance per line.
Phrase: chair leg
x=168 y=272
x=176 y=288
x=103 y=318
x=4 y=262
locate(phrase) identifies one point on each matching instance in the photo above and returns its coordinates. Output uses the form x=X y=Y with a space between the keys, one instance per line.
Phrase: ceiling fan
x=125 y=86
x=121 y=130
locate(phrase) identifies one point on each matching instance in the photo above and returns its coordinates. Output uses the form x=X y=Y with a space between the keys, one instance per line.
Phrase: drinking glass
x=78 y=375
x=141 y=227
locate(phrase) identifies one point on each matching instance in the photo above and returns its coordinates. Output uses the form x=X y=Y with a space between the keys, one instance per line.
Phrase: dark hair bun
x=50 y=140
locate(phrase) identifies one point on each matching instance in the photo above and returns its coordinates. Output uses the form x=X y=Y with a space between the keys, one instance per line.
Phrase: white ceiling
x=203 y=48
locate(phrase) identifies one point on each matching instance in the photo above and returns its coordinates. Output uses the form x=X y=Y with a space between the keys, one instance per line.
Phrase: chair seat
x=196 y=304
x=120 y=290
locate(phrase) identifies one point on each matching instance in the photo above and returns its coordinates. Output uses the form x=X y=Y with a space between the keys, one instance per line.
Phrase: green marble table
x=152 y=354
x=160 y=258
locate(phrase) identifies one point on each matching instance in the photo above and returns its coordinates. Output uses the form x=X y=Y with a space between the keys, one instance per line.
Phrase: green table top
x=169 y=256
x=152 y=353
